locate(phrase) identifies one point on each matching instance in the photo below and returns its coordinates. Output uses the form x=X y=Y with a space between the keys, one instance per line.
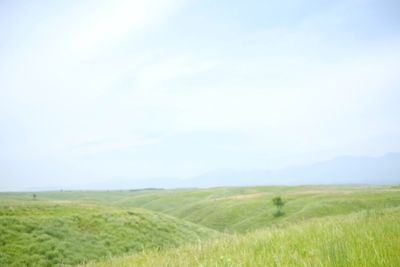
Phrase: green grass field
x=55 y=233
x=321 y=226
x=362 y=239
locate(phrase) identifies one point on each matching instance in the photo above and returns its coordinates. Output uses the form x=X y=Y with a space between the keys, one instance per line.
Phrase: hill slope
x=365 y=239
x=244 y=209
x=232 y=209
x=46 y=234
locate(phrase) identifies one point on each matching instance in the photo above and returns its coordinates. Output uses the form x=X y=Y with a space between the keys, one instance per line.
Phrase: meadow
x=51 y=233
x=236 y=226
x=362 y=239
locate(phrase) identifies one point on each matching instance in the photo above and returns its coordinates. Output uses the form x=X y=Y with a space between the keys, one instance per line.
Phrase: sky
x=96 y=91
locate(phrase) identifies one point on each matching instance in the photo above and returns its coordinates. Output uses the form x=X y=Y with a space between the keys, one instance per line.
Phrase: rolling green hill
x=56 y=233
x=233 y=209
x=71 y=227
x=245 y=209
x=369 y=238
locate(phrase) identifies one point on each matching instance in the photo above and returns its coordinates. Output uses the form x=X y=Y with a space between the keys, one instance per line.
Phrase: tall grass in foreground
x=369 y=238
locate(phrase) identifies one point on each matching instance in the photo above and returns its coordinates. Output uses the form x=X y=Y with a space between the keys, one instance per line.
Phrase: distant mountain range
x=341 y=170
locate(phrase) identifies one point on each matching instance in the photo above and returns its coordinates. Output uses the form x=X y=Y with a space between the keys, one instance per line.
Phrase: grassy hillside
x=235 y=209
x=55 y=233
x=74 y=226
x=246 y=209
x=369 y=238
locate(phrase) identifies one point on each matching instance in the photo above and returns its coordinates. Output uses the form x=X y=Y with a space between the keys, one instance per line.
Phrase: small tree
x=34 y=196
x=278 y=202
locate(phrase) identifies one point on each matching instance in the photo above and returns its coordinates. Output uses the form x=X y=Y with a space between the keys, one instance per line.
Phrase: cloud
x=112 y=22
x=122 y=142
x=159 y=75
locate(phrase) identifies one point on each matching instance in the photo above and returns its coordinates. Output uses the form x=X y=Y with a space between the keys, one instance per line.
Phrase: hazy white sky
x=100 y=90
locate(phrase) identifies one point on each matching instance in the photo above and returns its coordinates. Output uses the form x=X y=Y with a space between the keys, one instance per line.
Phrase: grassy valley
x=248 y=208
x=229 y=226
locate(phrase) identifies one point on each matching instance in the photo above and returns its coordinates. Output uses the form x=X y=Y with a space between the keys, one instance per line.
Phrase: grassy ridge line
x=46 y=234
x=231 y=209
x=368 y=238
